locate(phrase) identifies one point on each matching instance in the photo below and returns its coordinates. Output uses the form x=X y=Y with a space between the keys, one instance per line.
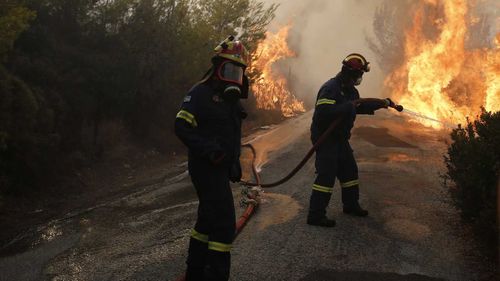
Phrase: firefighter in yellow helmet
x=338 y=98
x=209 y=124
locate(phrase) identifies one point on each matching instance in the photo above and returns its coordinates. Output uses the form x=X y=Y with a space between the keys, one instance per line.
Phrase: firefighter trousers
x=209 y=255
x=334 y=160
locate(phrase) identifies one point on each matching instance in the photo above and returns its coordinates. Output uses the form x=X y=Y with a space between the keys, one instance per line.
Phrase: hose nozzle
x=398 y=107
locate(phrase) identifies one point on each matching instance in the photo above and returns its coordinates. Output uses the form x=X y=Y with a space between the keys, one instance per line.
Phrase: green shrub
x=473 y=164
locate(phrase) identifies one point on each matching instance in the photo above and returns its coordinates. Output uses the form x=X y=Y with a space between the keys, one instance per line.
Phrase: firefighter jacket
x=209 y=125
x=335 y=101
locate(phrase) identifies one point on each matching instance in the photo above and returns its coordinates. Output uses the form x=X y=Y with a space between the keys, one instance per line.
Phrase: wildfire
x=271 y=88
x=442 y=78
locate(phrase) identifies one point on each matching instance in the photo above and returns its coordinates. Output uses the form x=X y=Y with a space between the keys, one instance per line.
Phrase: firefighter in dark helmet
x=209 y=124
x=338 y=98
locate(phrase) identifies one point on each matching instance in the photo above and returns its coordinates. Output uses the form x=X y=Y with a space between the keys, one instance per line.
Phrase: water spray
x=400 y=108
x=420 y=115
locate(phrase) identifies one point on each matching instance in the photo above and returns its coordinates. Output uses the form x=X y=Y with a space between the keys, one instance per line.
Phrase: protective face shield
x=236 y=86
x=233 y=92
x=231 y=72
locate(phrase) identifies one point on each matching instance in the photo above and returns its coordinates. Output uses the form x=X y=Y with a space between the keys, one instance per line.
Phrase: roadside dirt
x=105 y=181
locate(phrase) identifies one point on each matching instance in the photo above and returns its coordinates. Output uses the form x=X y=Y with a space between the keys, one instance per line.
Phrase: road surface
x=412 y=233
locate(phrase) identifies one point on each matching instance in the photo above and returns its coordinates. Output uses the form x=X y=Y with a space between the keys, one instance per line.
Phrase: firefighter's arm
x=370 y=105
x=186 y=129
x=235 y=171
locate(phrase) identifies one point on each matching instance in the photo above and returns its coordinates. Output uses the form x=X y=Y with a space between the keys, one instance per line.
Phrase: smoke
x=323 y=33
x=486 y=18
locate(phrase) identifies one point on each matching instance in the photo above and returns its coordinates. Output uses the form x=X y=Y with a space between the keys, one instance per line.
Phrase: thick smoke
x=323 y=33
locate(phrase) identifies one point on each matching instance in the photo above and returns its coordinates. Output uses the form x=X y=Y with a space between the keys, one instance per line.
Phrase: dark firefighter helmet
x=356 y=62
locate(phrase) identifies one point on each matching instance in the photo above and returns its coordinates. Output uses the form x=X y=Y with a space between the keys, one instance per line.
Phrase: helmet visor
x=231 y=72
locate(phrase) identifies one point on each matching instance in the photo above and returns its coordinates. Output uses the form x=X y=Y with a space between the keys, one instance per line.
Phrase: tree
x=176 y=43
x=80 y=65
x=14 y=19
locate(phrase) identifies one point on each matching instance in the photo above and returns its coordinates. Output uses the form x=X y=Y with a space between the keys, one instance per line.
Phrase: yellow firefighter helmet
x=232 y=50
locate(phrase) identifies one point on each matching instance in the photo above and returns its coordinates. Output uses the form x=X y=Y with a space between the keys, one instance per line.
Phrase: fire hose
x=251 y=194
x=254 y=193
x=306 y=157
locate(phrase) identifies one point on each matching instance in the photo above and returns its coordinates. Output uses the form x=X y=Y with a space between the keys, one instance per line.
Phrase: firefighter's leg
x=326 y=167
x=349 y=182
x=197 y=254
x=221 y=233
x=198 y=244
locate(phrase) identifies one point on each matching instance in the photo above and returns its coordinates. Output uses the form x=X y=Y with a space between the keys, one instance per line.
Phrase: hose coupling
x=250 y=195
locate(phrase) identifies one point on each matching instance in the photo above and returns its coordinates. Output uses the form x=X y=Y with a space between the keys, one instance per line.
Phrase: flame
x=271 y=87
x=441 y=78
x=493 y=78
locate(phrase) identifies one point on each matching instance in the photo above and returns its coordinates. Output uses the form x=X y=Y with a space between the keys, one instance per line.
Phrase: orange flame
x=441 y=78
x=270 y=87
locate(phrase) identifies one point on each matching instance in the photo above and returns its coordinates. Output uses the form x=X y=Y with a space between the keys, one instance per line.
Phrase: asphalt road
x=412 y=233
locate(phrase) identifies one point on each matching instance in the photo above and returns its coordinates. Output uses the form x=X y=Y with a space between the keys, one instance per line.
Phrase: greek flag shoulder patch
x=187 y=99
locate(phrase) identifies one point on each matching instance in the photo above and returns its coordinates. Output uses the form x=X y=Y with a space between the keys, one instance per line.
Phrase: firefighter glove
x=389 y=102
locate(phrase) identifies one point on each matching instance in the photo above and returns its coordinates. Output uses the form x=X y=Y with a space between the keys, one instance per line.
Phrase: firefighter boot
x=350 y=197
x=324 y=221
x=355 y=210
x=317 y=209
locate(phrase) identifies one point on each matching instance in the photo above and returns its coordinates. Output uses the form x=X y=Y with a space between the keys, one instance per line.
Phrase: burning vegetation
x=270 y=87
x=442 y=76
